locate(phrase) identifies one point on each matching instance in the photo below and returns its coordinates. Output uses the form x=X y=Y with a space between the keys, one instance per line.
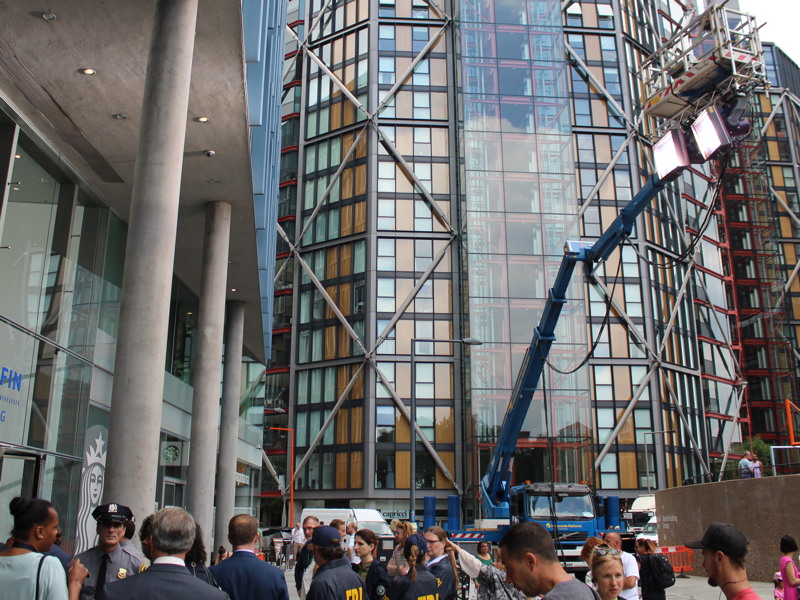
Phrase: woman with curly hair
x=397 y=566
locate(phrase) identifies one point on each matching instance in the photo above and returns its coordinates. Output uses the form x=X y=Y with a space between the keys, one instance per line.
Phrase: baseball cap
x=777 y=576
x=417 y=540
x=326 y=536
x=118 y=513
x=724 y=538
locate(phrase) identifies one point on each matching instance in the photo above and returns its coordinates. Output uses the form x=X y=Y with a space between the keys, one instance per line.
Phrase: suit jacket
x=163 y=582
x=245 y=577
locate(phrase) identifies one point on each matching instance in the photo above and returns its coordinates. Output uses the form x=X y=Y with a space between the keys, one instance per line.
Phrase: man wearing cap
x=108 y=561
x=724 y=549
x=334 y=579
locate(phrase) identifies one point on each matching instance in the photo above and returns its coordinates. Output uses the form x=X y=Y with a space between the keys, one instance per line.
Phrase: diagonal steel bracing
x=371 y=122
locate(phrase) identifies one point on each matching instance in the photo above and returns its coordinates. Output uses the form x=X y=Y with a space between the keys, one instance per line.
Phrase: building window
x=386 y=254
x=574 y=15
x=385 y=423
x=386 y=215
x=605 y=16
x=422 y=141
x=386 y=38
x=386 y=175
x=423 y=382
x=386 y=70
x=387 y=368
x=422 y=105
x=420 y=36
x=422 y=73
x=386 y=295
x=423 y=303
x=423 y=254
x=388 y=346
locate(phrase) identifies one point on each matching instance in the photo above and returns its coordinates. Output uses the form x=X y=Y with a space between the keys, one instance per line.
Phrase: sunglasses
x=604 y=549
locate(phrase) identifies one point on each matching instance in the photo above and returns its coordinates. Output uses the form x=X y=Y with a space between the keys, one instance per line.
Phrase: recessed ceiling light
x=120 y=116
x=233 y=289
x=48 y=16
x=87 y=71
x=18 y=156
x=202 y=119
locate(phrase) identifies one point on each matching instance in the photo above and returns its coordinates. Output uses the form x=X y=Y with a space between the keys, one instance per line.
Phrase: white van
x=650 y=531
x=364 y=518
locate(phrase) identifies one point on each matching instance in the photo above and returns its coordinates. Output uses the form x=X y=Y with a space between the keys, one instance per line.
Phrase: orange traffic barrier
x=680 y=557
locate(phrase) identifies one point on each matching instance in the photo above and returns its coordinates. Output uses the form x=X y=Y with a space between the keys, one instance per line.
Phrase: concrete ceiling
x=39 y=74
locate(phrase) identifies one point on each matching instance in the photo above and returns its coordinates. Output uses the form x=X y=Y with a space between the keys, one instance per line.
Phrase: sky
x=780 y=18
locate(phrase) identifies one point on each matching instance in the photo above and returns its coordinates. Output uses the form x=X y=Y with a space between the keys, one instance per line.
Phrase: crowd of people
x=340 y=562
x=32 y=566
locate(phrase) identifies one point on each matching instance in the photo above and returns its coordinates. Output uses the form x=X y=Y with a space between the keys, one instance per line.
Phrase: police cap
x=118 y=513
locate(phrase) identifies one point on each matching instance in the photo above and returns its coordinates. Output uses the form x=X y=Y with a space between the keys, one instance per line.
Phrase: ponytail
x=412 y=562
x=452 y=556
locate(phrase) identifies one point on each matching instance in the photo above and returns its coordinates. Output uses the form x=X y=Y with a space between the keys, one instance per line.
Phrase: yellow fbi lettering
x=355 y=594
x=429 y=597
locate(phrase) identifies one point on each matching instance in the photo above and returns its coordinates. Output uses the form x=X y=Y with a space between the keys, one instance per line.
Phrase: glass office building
x=436 y=156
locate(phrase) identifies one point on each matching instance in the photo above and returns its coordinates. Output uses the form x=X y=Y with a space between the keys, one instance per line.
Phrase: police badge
x=122 y=573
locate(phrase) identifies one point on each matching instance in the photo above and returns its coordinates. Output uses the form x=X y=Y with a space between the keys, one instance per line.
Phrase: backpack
x=661 y=573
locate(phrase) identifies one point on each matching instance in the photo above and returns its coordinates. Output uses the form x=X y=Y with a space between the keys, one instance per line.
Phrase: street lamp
x=291 y=470
x=647 y=454
x=468 y=341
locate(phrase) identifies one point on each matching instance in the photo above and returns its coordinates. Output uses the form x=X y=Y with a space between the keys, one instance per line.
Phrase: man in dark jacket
x=305 y=557
x=334 y=579
x=243 y=576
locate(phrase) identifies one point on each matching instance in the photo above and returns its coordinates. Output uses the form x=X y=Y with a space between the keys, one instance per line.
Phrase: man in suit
x=243 y=576
x=172 y=533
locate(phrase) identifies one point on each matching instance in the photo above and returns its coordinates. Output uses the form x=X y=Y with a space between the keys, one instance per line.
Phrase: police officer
x=334 y=579
x=108 y=561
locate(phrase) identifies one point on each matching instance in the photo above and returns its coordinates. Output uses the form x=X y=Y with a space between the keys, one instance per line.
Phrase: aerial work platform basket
x=716 y=53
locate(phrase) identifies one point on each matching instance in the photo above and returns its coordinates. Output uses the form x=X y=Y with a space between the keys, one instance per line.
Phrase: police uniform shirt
x=121 y=564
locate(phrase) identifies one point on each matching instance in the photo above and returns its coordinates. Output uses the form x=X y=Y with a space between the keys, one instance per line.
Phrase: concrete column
x=229 y=423
x=135 y=422
x=207 y=371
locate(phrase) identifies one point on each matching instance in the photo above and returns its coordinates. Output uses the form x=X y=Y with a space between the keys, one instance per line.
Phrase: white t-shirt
x=18 y=577
x=629 y=569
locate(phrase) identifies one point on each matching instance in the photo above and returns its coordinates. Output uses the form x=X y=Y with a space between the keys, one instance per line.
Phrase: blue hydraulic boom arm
x=494 y=485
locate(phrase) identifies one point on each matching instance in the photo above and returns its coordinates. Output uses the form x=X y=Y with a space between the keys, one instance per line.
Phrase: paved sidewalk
x=685 y=588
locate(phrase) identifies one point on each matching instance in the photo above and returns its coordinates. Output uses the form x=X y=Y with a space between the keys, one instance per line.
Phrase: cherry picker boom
x=494 y=485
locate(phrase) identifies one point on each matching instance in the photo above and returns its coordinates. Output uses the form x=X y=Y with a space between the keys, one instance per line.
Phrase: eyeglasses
x=434 y=541
x=604 y=549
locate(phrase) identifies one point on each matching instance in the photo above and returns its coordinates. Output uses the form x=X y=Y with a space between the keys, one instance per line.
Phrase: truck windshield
x=566 y=507
x=377 y=527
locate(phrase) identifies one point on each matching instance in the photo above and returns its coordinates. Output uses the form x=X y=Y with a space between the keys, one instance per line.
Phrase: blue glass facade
x=520 y=205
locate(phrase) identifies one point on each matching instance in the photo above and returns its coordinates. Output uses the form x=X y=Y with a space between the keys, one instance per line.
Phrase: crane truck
x=721 y=51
